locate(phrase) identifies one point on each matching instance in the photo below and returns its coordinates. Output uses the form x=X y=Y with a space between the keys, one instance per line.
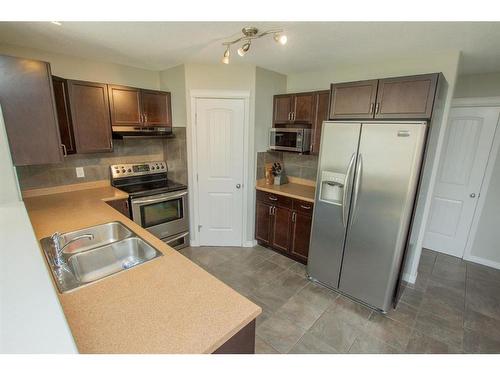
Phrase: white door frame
x=192 y=156
x=481 y=102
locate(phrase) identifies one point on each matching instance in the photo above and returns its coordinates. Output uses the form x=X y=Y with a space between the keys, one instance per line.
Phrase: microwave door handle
x=346 y=189
x=159 y=199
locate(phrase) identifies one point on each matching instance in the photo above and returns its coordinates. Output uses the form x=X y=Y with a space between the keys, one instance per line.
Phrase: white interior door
x=219 y=151
x=466 y=150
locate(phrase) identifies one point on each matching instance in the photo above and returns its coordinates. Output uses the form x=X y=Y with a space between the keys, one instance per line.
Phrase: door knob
x=472 y=195
x=238 y=186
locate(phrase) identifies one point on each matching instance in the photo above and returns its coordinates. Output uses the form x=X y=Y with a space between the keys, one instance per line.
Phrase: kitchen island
x=166 y=305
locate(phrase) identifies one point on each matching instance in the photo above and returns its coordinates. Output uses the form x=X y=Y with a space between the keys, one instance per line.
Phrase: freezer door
x=339 y=143
x=385 y=183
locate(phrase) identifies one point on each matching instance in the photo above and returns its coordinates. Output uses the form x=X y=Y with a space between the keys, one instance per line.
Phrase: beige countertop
x=295 y=188
x=167 y=305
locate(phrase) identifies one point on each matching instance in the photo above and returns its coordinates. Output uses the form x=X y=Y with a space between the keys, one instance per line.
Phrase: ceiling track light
x=250 y=33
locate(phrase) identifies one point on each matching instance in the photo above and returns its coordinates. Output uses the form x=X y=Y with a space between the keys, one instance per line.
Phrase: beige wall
x=174 y=81
x=478 y=85
x=88 y=70
x=267 y=84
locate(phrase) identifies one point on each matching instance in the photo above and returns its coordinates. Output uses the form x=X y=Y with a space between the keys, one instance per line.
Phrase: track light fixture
x=250 y=33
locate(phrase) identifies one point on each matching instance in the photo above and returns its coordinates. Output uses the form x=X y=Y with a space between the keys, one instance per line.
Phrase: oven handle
x=160 y=199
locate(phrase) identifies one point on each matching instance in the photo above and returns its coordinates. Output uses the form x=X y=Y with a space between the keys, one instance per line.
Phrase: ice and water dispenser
x=332 y=187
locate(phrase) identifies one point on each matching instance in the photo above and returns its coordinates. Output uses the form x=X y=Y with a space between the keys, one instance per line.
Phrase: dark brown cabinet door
x=125 y=106
x=64 y=115
x=406 y=97
x=90 y=115
x=353 y=100
x=303 y=108
x=120 y=205
x=321 y=114
x=156 y=108
x=263 y=222
x=300 y=235
x=281 y=228
x=283 y=107
x=28 y=107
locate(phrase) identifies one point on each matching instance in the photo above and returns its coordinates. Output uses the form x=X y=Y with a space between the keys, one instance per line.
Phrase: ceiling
x=311 y=45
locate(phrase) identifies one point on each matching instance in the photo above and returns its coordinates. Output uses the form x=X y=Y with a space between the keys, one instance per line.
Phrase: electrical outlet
x=79 y=172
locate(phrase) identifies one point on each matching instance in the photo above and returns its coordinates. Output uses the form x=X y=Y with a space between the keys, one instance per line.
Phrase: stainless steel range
x=156 y=203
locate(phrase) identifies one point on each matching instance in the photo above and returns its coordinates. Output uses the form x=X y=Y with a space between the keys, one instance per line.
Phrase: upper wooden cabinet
x=294 y=108
x=322 y=102
x=406 y=97
x=130 y=106
x=63 y=115
x=391 y=98
x=125 y=105
x=29 y=112
x=90 y=114
x=353 y=100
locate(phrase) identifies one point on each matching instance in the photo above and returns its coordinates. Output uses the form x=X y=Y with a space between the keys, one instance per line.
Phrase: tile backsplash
x=294 y=164
x=96 y=166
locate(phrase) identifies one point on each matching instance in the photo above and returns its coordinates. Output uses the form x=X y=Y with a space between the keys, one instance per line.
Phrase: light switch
x=79 y=172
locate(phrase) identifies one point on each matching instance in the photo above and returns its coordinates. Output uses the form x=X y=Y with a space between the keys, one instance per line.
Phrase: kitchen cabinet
x=121 y=205
x=409 y=97
x=353 y=100
x=322 y=103
x=89 y=109
x=63 y=115
x=406 y=97
x=29 y=111
x=293 y=108
x=130 y=106
x=283 y=224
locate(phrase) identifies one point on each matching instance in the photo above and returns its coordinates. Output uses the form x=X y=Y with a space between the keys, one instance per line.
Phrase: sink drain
x=130 y=262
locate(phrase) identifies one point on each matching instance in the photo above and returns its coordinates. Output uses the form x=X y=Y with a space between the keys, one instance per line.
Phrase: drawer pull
x=305 y=207
x=273 y=198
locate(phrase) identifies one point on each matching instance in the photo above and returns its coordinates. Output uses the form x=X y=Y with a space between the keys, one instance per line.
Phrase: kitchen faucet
x=58 y=249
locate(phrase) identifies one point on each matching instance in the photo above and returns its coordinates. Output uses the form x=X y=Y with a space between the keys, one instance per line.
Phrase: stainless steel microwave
x=290 y=139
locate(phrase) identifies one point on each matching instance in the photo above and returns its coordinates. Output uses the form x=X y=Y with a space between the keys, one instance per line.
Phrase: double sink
x=107 y=249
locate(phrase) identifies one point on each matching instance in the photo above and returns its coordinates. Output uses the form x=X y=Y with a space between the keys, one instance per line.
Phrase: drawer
x=303 y=206
x=274 y=199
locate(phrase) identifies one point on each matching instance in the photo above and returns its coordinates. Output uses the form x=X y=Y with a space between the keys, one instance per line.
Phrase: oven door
x=164 y=215
x=285 y=139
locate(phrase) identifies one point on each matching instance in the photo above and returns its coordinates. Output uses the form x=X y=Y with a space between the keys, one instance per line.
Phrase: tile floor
x=454 y=307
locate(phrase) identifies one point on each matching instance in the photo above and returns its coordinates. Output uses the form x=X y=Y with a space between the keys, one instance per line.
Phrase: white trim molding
x=248 y=159
x=490 y=101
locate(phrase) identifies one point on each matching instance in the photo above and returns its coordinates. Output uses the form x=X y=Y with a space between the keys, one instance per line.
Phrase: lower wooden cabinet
x=120 y=205
x=283 y=224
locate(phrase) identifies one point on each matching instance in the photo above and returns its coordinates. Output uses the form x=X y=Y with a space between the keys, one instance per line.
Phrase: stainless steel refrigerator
x=367 y=181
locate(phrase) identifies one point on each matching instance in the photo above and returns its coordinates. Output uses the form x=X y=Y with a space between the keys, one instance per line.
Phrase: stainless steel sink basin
x=103 y=261
x=103 y=234
x=114 y=248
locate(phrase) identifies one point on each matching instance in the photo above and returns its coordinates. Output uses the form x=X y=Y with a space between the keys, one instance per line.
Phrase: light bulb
x=225 y=59
x=280 y=38
x=244 y=49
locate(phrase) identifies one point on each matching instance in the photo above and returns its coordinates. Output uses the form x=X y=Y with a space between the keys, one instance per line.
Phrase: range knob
x=162 y=167
x=129 y=170
x=123 y=170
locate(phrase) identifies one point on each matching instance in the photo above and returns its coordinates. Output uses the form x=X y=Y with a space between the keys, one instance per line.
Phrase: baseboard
x=409 y=278
x=250 y=243
x=482 y=261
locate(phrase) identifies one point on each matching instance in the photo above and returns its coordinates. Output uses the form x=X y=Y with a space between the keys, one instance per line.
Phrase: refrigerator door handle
x=357 y=185
x=346 y=189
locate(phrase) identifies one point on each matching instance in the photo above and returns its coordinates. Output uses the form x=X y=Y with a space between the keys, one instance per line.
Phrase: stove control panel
x=141 y=169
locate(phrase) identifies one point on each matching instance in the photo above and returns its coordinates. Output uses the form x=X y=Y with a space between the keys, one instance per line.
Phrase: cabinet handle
x=274 y=199
x=371 y=108
x=145 y=118
x=289 y=116
x=293 y=114
x=377 y=107
x=270 y=210
x=110 y=143
x=305 y=207
x=294 y=216
x=274 y=210
x=65 y=152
